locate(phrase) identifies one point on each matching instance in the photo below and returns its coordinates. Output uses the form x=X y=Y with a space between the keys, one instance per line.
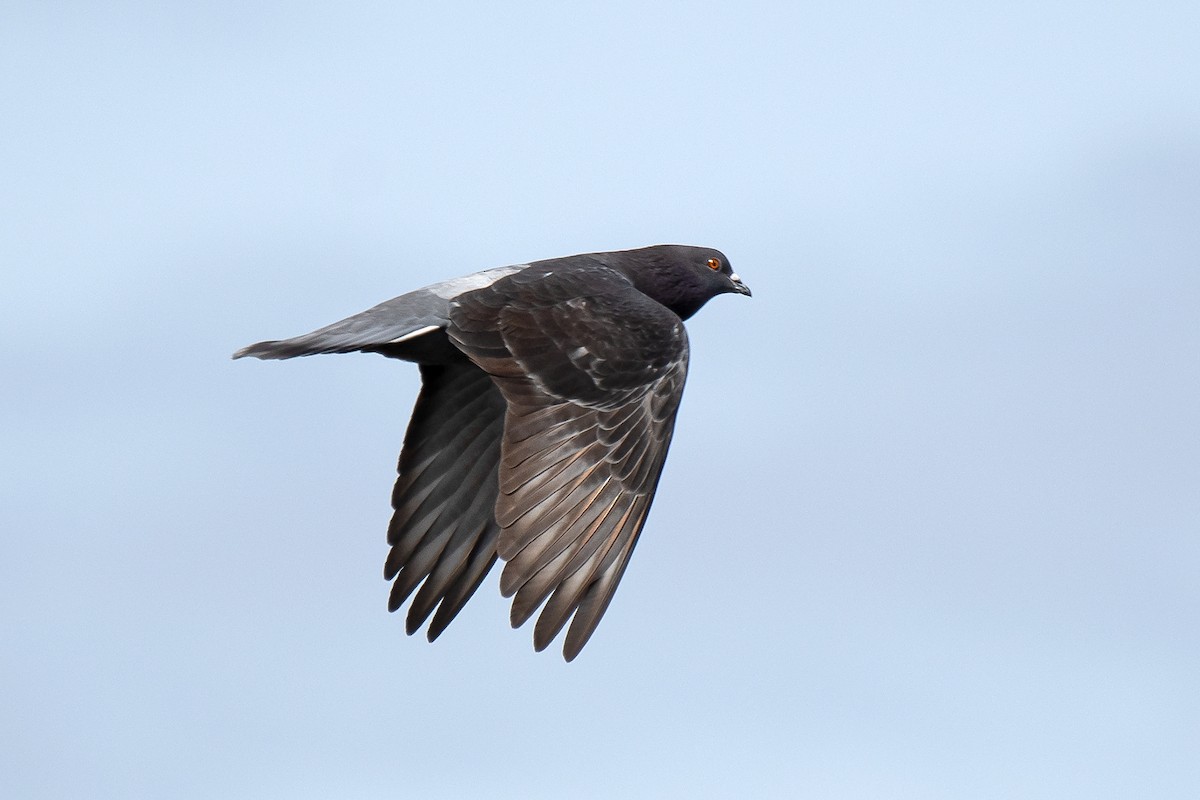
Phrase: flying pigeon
x=548 y=398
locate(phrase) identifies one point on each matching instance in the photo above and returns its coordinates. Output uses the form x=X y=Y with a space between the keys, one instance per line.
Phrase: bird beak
x=738 y=286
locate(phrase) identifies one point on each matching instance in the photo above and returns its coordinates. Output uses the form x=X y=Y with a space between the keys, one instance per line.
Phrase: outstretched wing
x=399 y=327
x=592 y=371
x=443 y=531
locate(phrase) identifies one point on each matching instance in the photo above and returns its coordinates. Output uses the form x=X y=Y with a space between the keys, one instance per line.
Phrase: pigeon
x=547 y=403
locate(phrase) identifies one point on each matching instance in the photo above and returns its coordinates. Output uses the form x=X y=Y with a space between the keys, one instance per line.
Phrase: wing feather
x=443 y=532
x=595 y=601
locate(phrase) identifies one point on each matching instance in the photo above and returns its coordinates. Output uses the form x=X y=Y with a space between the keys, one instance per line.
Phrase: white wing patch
x=415 y=334
x=448 y=290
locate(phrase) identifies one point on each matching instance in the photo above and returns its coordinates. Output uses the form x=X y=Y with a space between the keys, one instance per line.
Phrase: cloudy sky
x=929 y=525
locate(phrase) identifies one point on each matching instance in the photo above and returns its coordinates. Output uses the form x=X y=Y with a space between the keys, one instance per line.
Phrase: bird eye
x=714 y=263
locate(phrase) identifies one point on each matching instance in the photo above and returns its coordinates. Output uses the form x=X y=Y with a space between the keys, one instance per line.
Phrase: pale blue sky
x=929 y=524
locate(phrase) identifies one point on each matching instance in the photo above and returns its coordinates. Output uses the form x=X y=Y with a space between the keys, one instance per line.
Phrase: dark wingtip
x=573 y=646
x=395 y=600
x=258 y=350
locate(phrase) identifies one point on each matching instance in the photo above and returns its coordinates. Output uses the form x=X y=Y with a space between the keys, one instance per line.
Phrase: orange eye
x=714 y=263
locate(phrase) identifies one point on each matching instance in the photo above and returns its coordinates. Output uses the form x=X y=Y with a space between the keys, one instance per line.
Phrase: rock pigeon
x=548 y=398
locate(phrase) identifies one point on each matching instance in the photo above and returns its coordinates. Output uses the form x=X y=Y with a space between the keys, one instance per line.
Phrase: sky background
x=929 y=527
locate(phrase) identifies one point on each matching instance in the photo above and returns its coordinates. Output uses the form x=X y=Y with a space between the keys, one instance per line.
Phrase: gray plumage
x=548 y=399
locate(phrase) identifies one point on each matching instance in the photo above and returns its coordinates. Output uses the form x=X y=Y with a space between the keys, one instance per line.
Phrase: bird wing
x=443 y=531
x=386 y=327
x=592 y=372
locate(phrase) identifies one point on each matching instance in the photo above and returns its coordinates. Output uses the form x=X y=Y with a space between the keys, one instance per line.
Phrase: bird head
x=681 y=277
